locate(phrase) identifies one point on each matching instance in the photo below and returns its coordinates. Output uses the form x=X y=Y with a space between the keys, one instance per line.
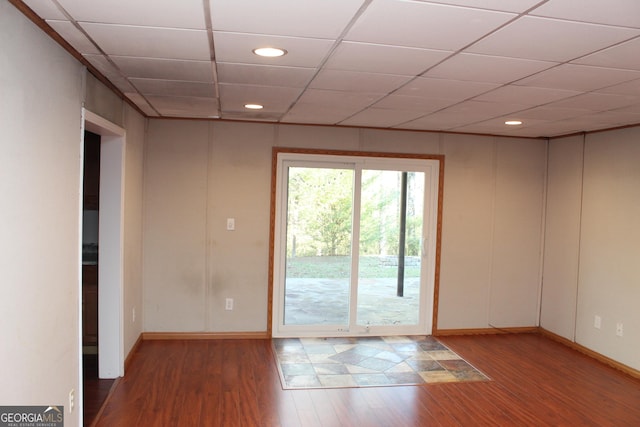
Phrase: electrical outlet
x=72 y=400
x=597 y=322
x=619 y=329
x=228 y=305
x=231 y=224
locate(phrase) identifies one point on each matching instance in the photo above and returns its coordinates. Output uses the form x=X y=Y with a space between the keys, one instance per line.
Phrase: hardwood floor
x=95 y=390
x=535 y=382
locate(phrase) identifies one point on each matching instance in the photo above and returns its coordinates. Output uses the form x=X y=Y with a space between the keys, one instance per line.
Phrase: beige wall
x=593 y=243
x=562 y=236
x=135 y=126
x=100 y=100
x=43 y=90
x=517 y=228
x=40 y=121
x=492 y=221
x=200 y=173
x=600 y=242
x=468 y=214
x=175 y=218
x=197 y=175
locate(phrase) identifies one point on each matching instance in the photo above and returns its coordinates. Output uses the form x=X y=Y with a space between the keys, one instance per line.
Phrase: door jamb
x=110 y=249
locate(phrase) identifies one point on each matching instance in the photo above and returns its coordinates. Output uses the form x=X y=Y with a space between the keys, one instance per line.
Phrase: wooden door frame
x=272 y=212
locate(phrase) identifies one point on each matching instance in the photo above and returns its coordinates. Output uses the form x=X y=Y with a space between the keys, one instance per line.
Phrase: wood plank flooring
x=95 y=390
x=535 y=382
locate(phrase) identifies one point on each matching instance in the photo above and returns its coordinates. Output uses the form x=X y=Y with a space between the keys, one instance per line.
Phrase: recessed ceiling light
x=269 y=52
x=253 y=106
x=513 y=122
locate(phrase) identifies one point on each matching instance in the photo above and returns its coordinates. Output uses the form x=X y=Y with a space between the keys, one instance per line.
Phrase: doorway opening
x=110 y=232
x=94 y=389
x=90 y=215
x=355 y=244
x=90 y=238
x=102 y=263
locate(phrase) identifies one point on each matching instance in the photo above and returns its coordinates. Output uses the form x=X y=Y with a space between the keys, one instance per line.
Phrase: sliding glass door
x=389 y=261
x=319 y=232
x=349 y=249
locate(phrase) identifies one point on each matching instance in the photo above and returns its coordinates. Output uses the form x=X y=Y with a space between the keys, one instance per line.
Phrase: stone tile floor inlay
x=368 y=362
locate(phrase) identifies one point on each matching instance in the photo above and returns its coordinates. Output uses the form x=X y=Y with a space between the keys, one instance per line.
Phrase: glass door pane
x=389 y=266
x=318 y=246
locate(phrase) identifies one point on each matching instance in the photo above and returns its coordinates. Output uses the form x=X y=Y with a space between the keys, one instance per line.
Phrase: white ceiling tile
x=150 y=13
x=424 y=25
x=74 y=36
x=374 y=77
x=594 y=101
x=166 y=69
x=142 y=103
x=439 y=121
x=379 y=117
x=184 y=106
x=550 y=39
x=253 y=115
x=302 y=52
x=424 y=104
x=503 y=5
x=298 y=18
x=575 y=125
x=273 y=98
x=264 y=75
x=174 y=88
x=630 y=109
x=624 y=13
x=613 y=118
x=122 y=84
x=547 y=113
x=625 y=55
x=526 y=95
x=150 y=42
x=579 y=77
x=635 y=109
x=45 y=9
x=503 y=131
x=318 y=114
x=353 y=81
x=462 y=114
x=108 y=70
x=481 y=110
x=497 y=126
x=375 y=58
x=552 y=129
x=548 y=130
x=358 y=101
x=445 y=89
x=627 y=88
x=485 y=68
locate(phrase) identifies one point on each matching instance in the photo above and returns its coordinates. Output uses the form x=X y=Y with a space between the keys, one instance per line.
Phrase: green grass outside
x=338 y=267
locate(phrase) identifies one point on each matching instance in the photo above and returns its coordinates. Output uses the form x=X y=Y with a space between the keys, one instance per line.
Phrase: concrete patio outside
x=326 y=302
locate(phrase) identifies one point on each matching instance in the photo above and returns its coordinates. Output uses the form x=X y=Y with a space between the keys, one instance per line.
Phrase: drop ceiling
x=559 y=66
